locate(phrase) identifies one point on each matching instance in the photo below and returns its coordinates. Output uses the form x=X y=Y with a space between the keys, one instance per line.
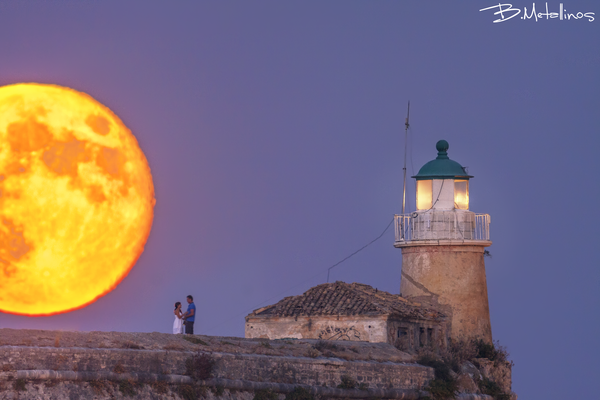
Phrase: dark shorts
x=189 y=327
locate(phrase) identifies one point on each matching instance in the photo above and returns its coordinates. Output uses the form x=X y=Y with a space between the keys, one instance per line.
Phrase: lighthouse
x=443 y=245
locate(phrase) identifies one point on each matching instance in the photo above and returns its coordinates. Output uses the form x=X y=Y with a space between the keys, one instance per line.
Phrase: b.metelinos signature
x=506 y=11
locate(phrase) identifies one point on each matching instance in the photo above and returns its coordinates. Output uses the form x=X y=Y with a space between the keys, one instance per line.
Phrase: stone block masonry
x=250 y=367
x=46 y=365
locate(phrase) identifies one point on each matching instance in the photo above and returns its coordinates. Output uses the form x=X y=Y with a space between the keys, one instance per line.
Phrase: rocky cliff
x=113 y=365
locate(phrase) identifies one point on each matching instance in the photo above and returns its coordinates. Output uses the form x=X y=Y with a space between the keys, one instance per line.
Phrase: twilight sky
x=275 y=130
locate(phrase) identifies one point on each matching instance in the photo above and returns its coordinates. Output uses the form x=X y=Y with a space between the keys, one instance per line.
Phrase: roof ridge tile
x=341 y=298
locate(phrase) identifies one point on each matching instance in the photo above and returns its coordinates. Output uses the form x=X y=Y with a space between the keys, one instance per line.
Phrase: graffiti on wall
x=339 y=333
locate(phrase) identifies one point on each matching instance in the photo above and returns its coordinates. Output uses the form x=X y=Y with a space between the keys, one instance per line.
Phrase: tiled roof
x=342 y=298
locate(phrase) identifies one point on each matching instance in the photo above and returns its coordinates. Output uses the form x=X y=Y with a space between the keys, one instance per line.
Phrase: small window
x=461 y=194
x=402 y=332
x=422 y=337
x=424 y=194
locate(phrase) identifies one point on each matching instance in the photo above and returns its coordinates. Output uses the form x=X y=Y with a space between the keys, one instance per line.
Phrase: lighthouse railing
x=402 y=227
x=442 y=225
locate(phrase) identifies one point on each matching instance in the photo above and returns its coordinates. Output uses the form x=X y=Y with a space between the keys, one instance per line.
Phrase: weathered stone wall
x=118 y=365
x=79 y=359
x=114 y=390
x=356 y=328
x=250 y=367
x=323 y=372
x=452 y=276
x=125 y=389
x=375 y=329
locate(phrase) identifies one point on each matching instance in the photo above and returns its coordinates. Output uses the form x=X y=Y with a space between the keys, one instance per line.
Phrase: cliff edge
x=36 y=364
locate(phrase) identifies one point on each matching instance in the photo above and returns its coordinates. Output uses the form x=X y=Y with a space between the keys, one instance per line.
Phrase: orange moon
x=76 y=199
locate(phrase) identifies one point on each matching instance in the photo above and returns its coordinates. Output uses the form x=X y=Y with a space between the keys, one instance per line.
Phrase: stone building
x=343 y=311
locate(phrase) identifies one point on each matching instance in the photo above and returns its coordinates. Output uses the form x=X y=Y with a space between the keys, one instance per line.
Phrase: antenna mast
x=406 y=125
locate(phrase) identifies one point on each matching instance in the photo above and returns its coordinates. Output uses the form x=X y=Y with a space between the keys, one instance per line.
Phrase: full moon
x=76 y=200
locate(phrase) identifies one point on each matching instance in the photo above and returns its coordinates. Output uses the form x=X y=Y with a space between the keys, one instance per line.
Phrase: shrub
x=299 y=393
x=119 y=369
x=467 y=350
x=127 y=388
x=131 y=345
x=493 y=389
x=444 y=385
x=161 y=387
x=458 y=352
x=266 y=344
x=265 y=394
x=442 y=369
x=441 y=389
x=325 y=345
x=491 y=351
x=347 y=383
x=188 y=392
x=200 y=366
x=312 y=353
x=20 y=385
x=218 y=390
x=97 y=386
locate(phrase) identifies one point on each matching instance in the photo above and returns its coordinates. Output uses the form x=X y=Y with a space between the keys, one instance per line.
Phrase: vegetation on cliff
x=466 y=364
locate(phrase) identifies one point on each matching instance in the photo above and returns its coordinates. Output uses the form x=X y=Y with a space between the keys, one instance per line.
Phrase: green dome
x=442 y=167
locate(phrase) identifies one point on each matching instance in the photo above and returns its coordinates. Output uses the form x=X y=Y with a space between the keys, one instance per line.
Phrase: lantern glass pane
x=424 y=195
x=461 y=194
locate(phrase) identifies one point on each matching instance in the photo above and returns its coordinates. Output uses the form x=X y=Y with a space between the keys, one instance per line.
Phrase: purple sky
x=274 y=131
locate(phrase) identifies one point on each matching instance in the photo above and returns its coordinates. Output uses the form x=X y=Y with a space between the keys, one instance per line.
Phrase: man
x=189 y=316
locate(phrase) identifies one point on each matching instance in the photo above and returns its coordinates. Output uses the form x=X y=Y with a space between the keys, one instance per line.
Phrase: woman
x=178 y=323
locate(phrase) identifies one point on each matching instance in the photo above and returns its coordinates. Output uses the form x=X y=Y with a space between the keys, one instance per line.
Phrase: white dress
x=177 y=325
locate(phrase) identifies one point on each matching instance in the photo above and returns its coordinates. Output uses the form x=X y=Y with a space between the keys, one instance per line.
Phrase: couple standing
x=187 y=318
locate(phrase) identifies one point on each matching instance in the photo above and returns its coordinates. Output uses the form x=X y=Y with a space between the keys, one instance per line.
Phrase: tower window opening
x=424 y=194
x=461 y=194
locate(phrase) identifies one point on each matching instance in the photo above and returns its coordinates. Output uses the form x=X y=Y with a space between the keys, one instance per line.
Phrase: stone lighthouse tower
x=443 y=248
